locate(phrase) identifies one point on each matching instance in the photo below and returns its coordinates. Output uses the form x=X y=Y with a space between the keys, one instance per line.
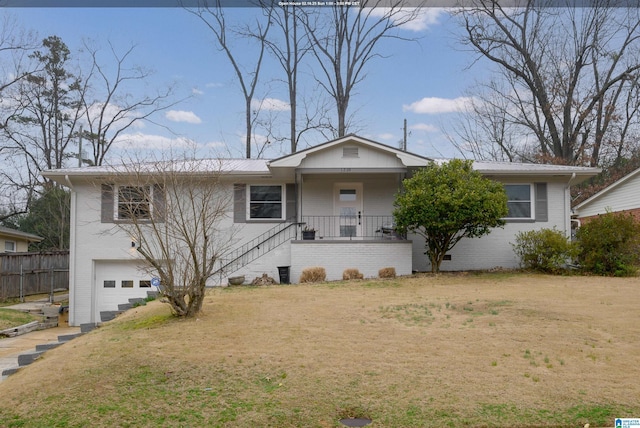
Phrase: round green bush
x=609 y=245
x=544 y=250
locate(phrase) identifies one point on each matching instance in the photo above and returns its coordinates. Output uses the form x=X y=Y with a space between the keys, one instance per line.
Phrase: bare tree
x=569 y=77
x=289 y=51
x=108 y=108
x=175 y=211
x=344 y=41
x=214 y=18
x=46 y=113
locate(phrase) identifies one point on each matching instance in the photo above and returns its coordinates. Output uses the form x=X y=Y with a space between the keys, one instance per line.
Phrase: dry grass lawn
x=489 y=350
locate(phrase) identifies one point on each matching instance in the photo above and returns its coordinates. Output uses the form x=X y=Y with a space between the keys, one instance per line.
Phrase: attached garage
x=117 y=281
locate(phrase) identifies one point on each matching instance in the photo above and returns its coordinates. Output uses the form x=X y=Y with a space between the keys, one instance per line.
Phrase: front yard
x=490 y=350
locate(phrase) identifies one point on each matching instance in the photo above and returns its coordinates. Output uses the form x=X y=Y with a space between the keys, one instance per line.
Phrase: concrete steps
x=51 y=315
x=27 y=358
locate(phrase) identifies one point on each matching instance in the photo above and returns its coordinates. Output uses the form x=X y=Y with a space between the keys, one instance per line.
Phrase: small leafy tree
x=544 y=250
x=448 y=202
x=610 y=244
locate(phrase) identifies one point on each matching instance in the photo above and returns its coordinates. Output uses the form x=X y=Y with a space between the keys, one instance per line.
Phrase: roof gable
x=350 y=151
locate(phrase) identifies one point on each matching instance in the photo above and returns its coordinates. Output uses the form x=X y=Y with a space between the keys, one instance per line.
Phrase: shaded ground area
x=499 y=350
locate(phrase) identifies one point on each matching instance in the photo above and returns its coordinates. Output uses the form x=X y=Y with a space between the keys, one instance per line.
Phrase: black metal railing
x=258 y=246
x=352 y=227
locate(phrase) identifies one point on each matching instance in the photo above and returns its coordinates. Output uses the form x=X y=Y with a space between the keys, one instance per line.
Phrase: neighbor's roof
x=13 y=233
x=607 y=189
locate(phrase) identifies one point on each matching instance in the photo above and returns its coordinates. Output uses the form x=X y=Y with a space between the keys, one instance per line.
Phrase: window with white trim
x=265 y=202
x=520 y=201
x=9 y=246
x=133 y=202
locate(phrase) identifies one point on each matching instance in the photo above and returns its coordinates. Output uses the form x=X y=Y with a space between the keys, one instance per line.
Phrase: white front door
x=347 y=209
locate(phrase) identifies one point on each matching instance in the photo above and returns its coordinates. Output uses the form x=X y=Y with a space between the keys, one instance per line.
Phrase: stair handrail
x=256 y=243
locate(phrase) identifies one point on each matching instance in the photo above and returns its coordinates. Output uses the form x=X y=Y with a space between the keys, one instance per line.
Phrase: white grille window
x=9 y=247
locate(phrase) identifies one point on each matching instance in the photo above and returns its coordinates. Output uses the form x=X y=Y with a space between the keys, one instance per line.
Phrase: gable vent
x=349 y=152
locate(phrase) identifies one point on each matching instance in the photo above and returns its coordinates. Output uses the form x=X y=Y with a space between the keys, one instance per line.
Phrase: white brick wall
x=336 y=256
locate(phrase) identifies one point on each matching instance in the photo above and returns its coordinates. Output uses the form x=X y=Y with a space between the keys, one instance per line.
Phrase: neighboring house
x=622 y=196
x=15 y=241
x=344 y=189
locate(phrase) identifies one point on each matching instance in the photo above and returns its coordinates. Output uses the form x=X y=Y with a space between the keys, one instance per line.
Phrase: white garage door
x=118 y=281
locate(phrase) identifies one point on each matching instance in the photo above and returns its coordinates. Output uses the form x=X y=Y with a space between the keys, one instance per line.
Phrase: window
x=109 y=284
x=265 y=202
x=349 y=152
x=519 y=201
x=9 y=246
x=127 y=283
x=133 y=202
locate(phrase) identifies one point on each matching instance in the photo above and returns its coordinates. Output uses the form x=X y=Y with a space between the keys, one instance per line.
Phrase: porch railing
x=352 y=227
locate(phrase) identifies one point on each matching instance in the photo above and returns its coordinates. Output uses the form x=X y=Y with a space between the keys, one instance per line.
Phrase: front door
x=347 y=210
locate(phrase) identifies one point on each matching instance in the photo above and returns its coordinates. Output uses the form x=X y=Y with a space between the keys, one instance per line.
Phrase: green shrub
x=609 y=245
x=544 y=250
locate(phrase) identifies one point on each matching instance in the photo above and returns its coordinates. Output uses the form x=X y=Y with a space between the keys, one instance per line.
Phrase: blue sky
x=421 y=81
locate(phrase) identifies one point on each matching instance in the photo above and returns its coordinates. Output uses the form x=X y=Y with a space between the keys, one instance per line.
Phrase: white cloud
x=196 y=91
x=213 y=85
x=424 y=127
x=387 y=136
x=434 y=105
x=270 y=104
x=151 y=142
x=182 y=116
x=423 y=19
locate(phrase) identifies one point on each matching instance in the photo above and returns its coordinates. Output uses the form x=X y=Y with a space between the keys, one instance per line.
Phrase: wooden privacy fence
x=24 y=274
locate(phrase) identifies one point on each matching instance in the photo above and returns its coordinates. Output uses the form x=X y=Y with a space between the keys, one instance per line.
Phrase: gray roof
x=489 y=167
x=261 y=166
x=194 y=166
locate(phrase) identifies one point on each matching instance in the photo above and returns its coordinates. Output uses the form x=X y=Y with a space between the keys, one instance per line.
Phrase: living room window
x=266 y=202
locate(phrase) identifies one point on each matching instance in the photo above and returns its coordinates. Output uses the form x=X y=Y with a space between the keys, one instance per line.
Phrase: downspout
x=567 y=215
x=72 y=250
x=299 y=182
